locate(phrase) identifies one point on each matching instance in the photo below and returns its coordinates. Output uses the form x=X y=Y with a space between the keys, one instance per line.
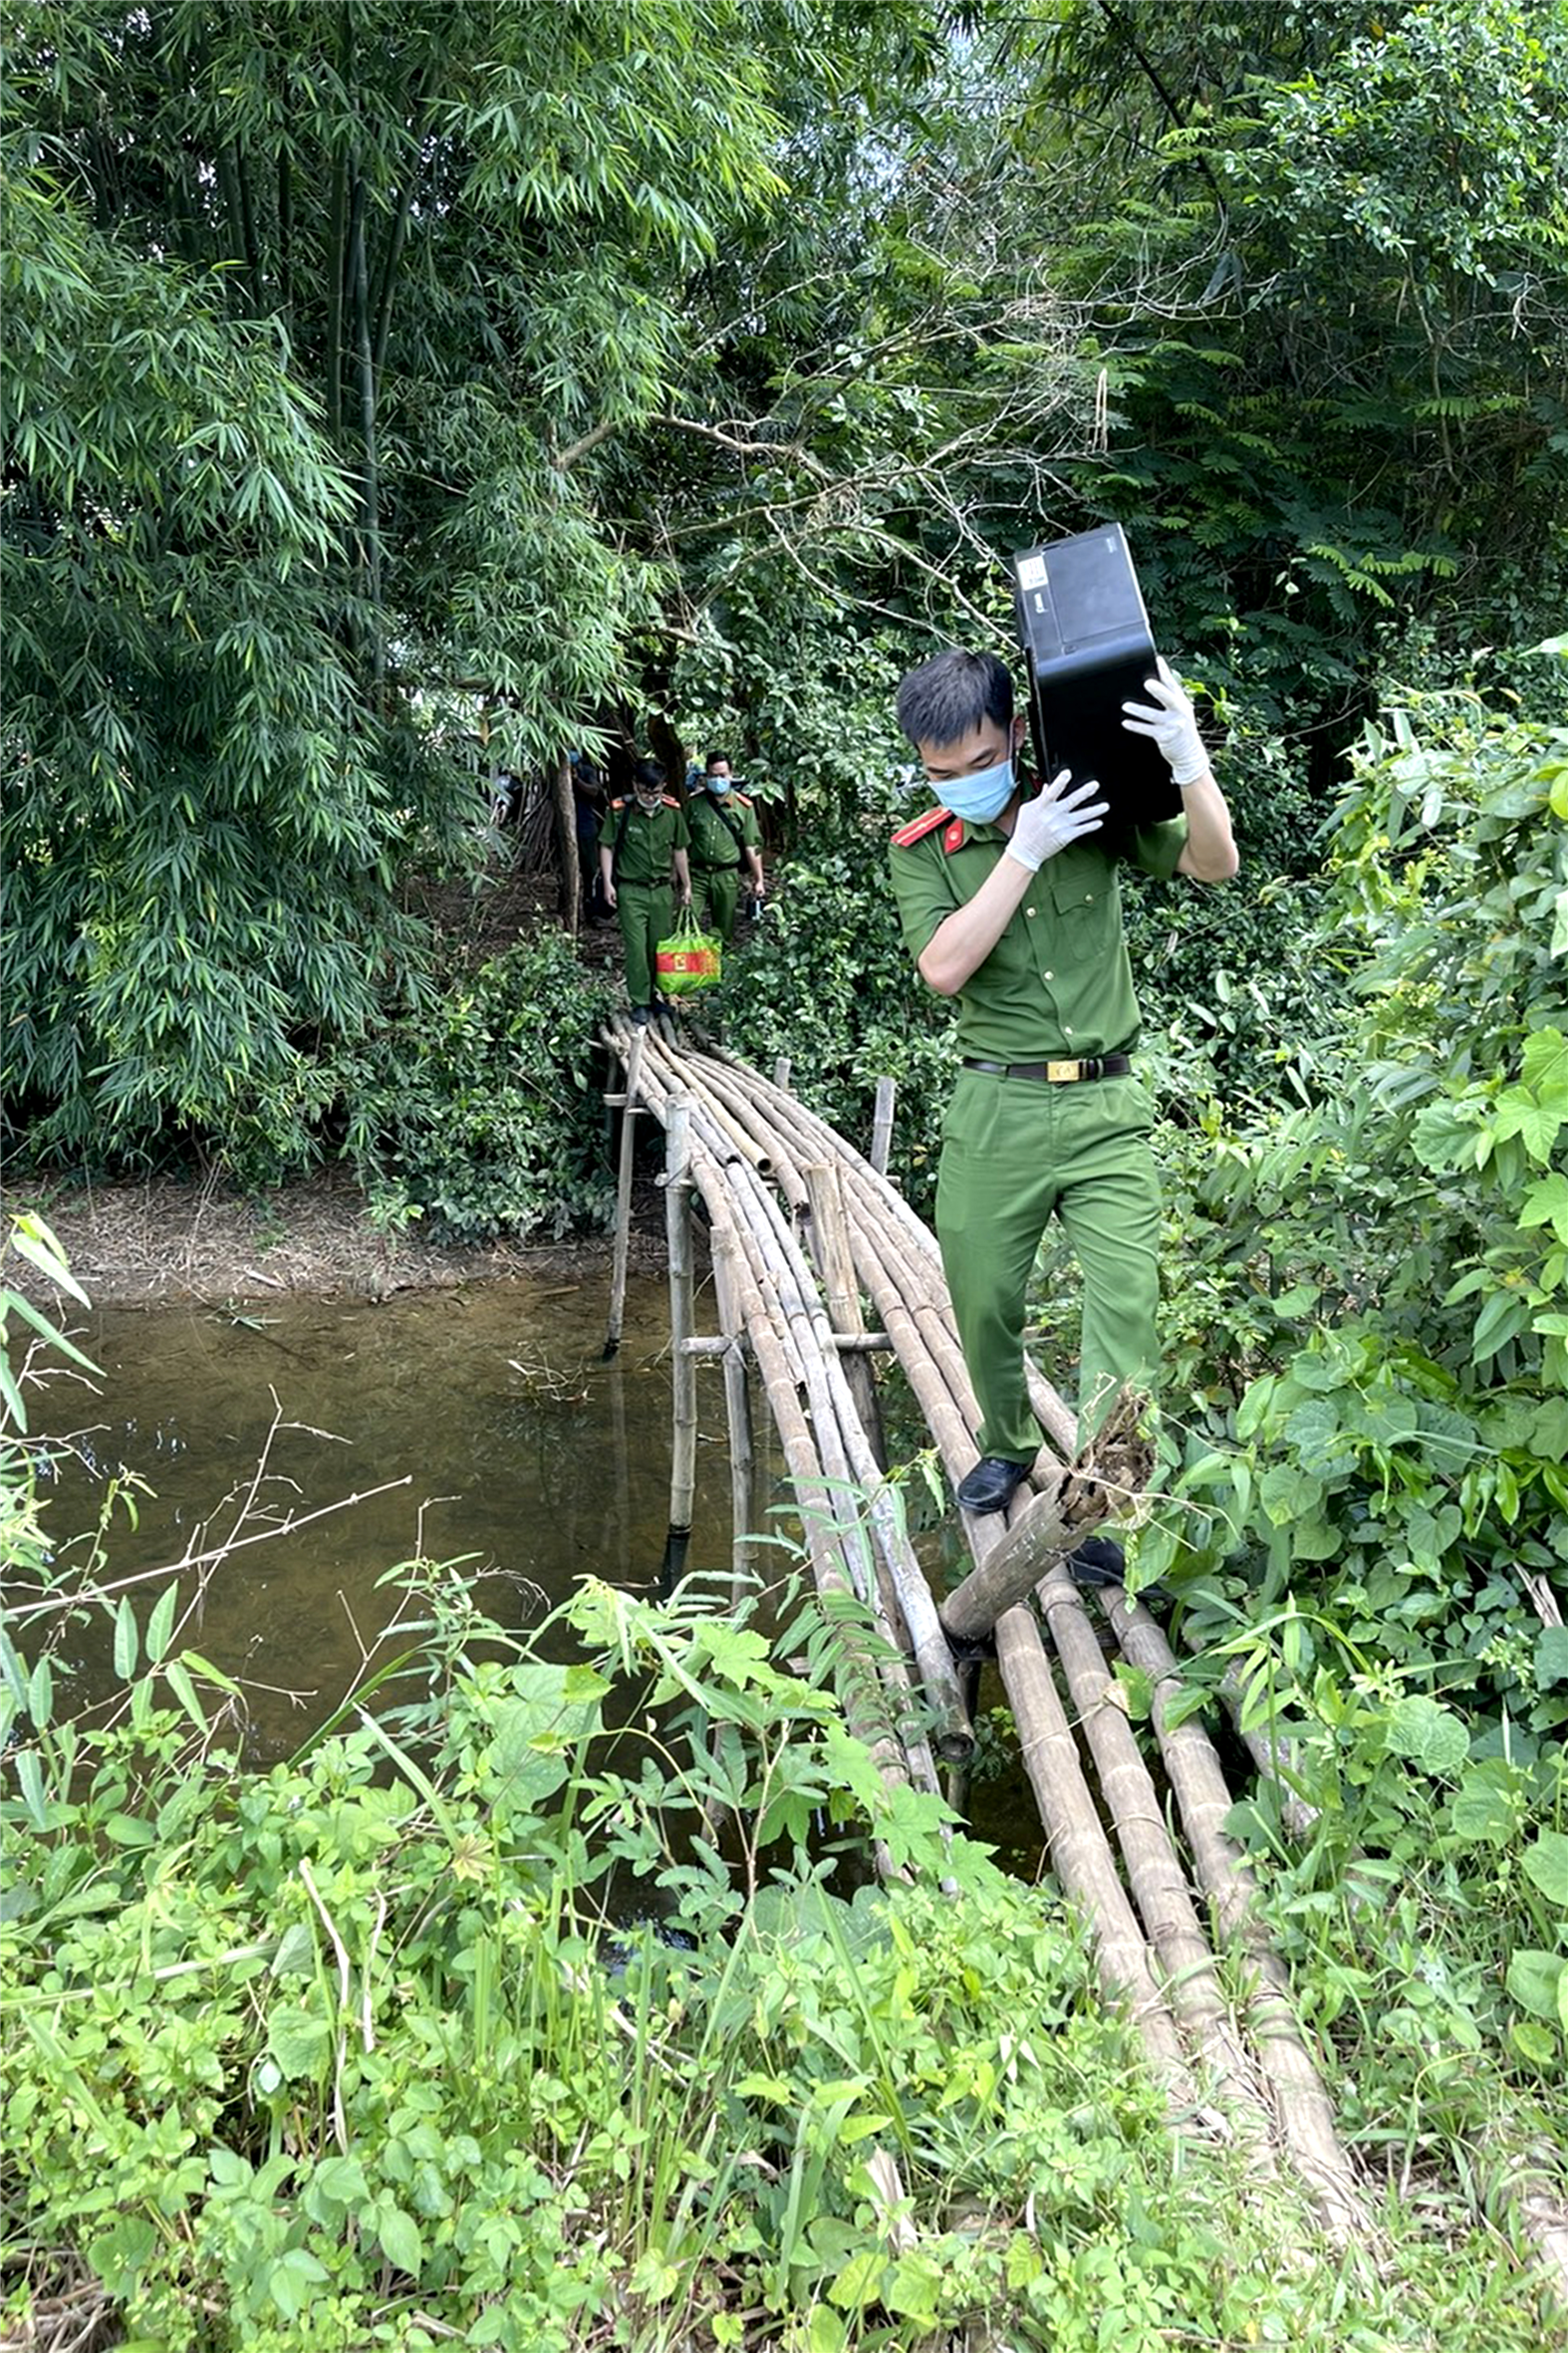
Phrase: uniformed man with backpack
x=645 y=836
x=725 y=845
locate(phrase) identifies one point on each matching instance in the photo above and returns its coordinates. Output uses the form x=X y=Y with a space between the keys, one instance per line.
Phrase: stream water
x=477 y=1425
x=485 y=1417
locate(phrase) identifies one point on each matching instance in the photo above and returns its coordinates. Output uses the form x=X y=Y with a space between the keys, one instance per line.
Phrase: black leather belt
x=1057 y=1074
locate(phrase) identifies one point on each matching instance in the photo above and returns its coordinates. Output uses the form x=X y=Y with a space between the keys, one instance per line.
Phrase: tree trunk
x=571 y=864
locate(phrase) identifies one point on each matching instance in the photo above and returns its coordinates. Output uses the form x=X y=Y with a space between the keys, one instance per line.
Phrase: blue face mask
x=979 y=798
x=717 y=784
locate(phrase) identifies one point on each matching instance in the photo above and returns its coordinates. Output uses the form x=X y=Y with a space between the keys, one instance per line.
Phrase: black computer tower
x=1090 y=649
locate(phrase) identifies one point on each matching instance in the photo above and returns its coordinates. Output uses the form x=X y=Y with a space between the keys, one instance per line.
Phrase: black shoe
x=991 y=1484
x=1099 y=1561
x=641 y=1015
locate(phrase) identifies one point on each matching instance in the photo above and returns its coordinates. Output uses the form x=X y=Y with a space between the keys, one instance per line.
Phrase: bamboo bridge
x=802 y=1230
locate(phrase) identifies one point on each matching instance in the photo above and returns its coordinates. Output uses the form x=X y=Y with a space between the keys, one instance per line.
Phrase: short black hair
x=650 y=774
x=714 y=758
x=945 y=697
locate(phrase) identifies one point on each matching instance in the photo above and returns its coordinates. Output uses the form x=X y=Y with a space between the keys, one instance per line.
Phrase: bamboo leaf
x=40 y=1695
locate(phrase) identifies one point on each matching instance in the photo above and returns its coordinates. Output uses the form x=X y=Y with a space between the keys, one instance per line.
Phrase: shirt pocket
x=1077 y=888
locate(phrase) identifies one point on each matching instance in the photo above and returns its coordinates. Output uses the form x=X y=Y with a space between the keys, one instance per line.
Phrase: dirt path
x=161 y=1241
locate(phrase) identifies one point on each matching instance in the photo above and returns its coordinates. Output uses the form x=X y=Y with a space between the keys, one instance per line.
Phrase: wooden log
x=882 y=1124
x=622 y=1241
x=683 y=1380
x=781 y=1071
x=1115 y=1468
x=1039 y=1536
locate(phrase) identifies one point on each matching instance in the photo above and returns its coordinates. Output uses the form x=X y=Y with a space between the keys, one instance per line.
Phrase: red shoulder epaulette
x=918 y=826
x=669 y=801
x=743 y=798
x=621 y=804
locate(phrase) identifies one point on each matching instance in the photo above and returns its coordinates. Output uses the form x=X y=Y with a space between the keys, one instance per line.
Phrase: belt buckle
x=1057 y=1072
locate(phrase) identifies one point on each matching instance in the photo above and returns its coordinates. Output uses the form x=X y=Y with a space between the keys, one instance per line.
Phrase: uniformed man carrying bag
x=1009 y=900
x=644 y=837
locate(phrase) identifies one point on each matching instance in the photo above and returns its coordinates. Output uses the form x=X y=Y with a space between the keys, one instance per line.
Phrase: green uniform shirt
x=1058 y=983
x=716 y=845
x=649 y=843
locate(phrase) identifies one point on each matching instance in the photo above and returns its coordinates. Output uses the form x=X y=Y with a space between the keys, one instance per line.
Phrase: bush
x=478 y=1114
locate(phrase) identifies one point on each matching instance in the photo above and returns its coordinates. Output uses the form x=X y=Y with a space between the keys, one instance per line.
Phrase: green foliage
x=475 y=1113
x=828 y=983
x=357 y=2045
x=1330 y=289
x=1369 y=1512
x=196 y=832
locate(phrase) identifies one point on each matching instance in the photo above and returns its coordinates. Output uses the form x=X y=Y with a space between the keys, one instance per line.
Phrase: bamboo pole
x=737 y=1404
x=683 y=1377
x=861 y=1692
x=890 y=1580
x=623 y=1243
x=1080 y=1852
x=895 y=1261
x=865 y=1702
x=1225 y=1876
x=844 y=1344
x=882 y=1124
x=835 y=1266
x=1160 y=1891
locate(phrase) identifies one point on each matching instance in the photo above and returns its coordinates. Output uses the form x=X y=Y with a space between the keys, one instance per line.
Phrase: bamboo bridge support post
x=737 y=1404
x=618 y=1277
x=781 y=1074
x=882 y=1124
x=683 y=1371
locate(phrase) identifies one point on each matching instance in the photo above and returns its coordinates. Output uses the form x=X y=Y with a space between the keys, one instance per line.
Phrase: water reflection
x=512 y=1444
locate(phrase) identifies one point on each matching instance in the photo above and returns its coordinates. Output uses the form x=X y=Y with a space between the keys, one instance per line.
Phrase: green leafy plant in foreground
x=360 y=2051
x=1368 y=1516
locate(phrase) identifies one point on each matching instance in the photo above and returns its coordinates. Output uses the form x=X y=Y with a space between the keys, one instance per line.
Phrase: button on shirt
x=648 y=844
x=1058 y=982
x=717 y=840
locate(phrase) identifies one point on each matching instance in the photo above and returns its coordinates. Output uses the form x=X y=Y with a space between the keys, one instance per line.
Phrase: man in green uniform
x=725 y=844
x=1009 y=901
x=644 y=835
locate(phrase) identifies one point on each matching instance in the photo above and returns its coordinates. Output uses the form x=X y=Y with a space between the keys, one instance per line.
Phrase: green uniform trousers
x=1015 y=1151
x=647 y=914
x=715 y=897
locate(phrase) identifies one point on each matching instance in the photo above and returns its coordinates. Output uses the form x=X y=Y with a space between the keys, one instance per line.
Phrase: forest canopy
x=678 y=365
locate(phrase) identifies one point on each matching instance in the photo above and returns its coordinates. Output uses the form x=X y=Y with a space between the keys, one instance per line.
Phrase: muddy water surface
x=486 y=1417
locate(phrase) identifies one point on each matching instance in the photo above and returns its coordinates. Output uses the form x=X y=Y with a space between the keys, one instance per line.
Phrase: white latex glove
x=1053 y=819
x=1172 y=722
